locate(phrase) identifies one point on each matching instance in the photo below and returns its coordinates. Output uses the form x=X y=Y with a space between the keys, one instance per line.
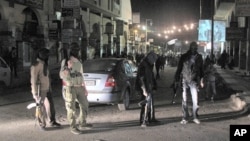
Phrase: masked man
x=41 y=88
x=145 y=84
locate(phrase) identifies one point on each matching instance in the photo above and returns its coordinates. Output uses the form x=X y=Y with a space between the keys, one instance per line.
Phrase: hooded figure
x=43 y=54
x=145 y=83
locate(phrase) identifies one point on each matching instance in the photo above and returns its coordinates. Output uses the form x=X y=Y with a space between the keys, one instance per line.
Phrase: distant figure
x=157 y=67
x=190 y=73
x=231 y=63
x=224 y=59
x=209 y=78
x=163 y=61
x=13 y=61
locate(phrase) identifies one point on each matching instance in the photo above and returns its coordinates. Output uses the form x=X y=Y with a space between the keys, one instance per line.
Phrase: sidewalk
x=240 y=84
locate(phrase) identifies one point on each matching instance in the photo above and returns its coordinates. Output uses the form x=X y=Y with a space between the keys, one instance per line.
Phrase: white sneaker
x=144 y=125
x=196 y=121
x=184 y=121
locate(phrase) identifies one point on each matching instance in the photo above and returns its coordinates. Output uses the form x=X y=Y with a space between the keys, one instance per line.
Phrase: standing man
x=13 y=61
x=190 y=73
x=224 y=59
x=40 y=88
x=71 y=73
x=209 y=78
x=146 y=83
x=158 y=64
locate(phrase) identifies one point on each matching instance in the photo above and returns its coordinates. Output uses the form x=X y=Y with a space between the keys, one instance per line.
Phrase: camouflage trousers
x=71 y=96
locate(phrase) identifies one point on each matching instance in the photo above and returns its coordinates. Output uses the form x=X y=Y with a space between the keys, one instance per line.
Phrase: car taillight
x=110 y=82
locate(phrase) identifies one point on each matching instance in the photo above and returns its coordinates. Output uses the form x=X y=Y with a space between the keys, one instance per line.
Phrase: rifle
x=36 y=104
x=147 y=105
x=175 y=87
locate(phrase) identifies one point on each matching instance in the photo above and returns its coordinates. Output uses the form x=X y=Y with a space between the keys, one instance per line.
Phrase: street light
x=146 y=36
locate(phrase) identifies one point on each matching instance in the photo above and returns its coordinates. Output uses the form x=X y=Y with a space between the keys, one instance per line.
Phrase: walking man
x=190 y=71
x=13 y=61
x=71 y=73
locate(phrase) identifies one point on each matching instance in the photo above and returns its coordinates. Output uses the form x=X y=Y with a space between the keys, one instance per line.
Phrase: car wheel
x=124 y=105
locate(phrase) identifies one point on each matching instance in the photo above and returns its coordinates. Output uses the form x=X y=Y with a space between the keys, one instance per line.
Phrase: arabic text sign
x=242 y=8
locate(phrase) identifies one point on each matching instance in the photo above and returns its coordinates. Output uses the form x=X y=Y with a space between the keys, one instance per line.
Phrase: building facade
x=236 y=14
x=23 y=24
x=100 y=27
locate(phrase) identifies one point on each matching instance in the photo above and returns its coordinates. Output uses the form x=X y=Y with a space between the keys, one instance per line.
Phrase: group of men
x=189 y=75
x=189 y=72
x=74 y=89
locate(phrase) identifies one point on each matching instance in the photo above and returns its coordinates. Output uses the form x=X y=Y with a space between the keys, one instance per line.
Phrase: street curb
x=240 y=100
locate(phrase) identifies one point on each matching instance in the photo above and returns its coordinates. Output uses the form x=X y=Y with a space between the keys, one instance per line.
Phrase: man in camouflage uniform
x=71 y=73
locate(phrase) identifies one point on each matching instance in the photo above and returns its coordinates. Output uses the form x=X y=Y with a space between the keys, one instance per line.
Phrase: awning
x=224 y=10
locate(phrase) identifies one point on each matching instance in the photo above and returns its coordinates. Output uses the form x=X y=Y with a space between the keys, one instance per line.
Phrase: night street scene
x=124 y=70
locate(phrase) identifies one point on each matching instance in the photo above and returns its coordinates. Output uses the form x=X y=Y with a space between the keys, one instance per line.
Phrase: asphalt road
x=110 y=124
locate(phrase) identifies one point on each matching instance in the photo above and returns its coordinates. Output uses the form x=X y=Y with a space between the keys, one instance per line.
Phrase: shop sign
x=53 y=33
x=235 y=33
x=32 y=3
x=71 y=3
x=71 y=12
x=242 y=8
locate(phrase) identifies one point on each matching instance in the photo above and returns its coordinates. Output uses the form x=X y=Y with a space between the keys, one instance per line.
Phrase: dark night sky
x=165 y=13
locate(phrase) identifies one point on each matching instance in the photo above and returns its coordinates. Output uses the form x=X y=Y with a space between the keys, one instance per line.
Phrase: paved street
x=110 y=124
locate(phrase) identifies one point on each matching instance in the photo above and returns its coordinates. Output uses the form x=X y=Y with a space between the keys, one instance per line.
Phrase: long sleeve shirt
x=38 y=77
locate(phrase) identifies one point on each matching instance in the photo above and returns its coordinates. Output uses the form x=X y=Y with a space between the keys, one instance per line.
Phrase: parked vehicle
x=110 y=81
x=5 y=73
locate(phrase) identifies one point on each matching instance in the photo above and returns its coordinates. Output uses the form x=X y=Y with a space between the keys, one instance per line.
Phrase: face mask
x=193 y=49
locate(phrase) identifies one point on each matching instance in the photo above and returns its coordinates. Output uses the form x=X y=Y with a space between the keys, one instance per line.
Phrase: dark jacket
x=194 y=72
x=145 y=74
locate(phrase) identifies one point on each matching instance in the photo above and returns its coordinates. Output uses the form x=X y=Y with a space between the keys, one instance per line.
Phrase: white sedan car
x=110 y=81
x=5 y=73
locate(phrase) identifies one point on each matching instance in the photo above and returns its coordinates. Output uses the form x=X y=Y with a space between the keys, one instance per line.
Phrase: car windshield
x=99 y=65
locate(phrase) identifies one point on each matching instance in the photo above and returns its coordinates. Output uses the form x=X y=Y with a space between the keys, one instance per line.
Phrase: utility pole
x=212 y=28
x=146 y=35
